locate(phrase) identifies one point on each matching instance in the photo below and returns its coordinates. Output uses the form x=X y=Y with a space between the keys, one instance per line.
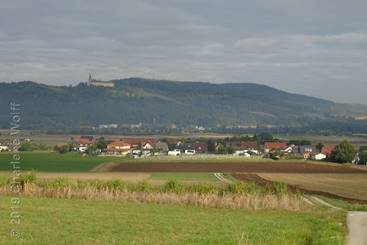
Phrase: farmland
x=59 y=221
x=75 y=162
x=54 y=162
x=228 y=167
x=345 y=185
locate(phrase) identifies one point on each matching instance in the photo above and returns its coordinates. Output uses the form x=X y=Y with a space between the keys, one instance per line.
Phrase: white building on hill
x=97 y=83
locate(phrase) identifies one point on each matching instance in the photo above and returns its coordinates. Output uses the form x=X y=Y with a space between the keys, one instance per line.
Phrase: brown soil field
x=345 y=185
x=348 y=187
x=247 y=167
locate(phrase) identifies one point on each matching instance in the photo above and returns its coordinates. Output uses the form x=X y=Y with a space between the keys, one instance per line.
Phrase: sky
x=312 y=47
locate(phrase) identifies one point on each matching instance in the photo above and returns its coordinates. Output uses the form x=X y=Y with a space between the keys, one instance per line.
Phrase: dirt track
x=248 y=167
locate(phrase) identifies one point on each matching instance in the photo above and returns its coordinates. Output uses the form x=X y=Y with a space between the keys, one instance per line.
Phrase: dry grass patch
x=248 y=201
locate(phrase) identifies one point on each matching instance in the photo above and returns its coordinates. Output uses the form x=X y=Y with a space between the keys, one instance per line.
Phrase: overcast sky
x=313 y=47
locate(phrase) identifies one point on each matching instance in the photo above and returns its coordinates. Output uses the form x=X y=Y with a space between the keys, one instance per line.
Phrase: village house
x=4 y=148
x=140 y=143
x=327 y=149
x=83 y=142
x=271 y=145
x=319 y=157
x=161 y=146
x=147 y=146
x=196 y=147
x=200 y=148
x=118 y=147
x=306 y=151
x=242 y=145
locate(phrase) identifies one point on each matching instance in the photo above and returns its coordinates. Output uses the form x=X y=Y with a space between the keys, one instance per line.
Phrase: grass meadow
x=79 y=211
x=47 y=221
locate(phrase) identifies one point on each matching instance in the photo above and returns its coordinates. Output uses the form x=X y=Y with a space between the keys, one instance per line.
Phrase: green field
x=75 y=162
x=54 y=162
x=59 y=221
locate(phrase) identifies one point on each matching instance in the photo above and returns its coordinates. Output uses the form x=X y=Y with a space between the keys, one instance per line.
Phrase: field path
x=322 y=202
x=222 y=178
x=357 y=226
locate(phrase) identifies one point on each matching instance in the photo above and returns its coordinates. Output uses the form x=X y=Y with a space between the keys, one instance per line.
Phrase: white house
x=320 y=156
x=4 y=148
x=175 y=152
x=82 y=149
x=148 y=146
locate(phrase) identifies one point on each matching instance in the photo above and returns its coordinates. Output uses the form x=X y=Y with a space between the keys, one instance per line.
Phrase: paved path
x=357 y=226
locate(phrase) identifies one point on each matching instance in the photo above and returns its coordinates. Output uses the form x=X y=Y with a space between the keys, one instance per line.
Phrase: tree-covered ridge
x=160 y=102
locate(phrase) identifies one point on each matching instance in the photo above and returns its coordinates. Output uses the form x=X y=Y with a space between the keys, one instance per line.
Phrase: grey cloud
x=296 y=45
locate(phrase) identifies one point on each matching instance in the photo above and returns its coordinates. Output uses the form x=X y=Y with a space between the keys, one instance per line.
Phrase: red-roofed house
x=327 y=149
x=200 y=147
x=118 y=147
x=268 y=146
x=144 y=143
x=84 y=141
x=243 y=145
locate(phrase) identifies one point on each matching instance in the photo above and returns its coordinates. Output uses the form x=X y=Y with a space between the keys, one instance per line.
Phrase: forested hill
x=137 y=100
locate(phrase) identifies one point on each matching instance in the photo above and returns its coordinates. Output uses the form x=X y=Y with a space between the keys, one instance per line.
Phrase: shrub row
x=168 y=187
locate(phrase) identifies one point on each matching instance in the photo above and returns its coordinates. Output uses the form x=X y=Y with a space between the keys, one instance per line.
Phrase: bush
x=114 y=184
x=172 y=186
x=280 y=188
x=26 y=146
x=98 y=184
x=141 y=187
x=62 y=148
x=201 y=189
x=243 y=188
x=28 y=177
x=4 y=180
x=61 y=182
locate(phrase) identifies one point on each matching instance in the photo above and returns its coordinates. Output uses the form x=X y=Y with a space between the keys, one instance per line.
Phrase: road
x=357 y=226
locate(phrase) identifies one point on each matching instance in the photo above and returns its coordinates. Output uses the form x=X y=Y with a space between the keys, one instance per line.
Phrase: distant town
x=263 y=145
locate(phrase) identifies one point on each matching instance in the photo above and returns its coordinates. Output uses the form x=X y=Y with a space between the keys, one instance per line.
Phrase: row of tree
x=98 y=146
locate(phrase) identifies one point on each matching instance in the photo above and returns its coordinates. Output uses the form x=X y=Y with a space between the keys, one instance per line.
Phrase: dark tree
x=343 y=153
x=319 y=146
x=62 y=148
x=211 y=146
x=363 y=155
x=363 y=158
x=262 y=137
x=101 y=143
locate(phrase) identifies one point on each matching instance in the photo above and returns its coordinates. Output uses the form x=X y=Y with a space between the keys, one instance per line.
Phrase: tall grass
x=236 y=195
